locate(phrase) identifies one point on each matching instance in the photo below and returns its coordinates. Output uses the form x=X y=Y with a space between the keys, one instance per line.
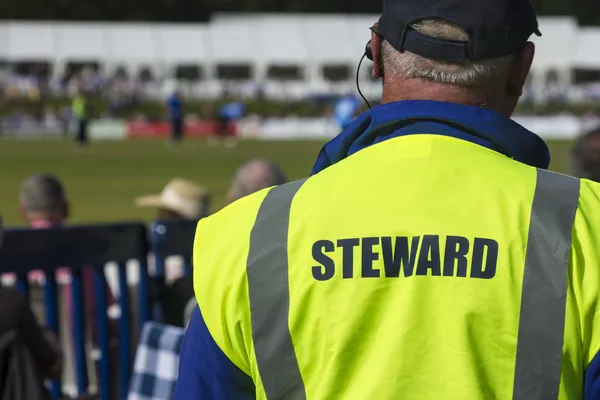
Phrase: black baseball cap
x=496 y=28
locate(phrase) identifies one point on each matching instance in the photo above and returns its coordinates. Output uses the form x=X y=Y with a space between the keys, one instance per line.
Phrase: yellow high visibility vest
x=79 y=107
x=422 y=267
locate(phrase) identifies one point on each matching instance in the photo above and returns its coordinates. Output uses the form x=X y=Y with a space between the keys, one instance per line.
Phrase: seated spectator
x=44 y=204
x=180 y=199
x=17 y=316
x=28 y=353
x=43 y=201
x=253 y=176
x=152 y=377
x=585 y=156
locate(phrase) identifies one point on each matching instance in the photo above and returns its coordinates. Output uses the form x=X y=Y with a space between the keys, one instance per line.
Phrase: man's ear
x=376 y=48
x=519 y=70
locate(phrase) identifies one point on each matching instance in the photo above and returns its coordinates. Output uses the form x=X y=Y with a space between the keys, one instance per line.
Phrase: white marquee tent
x=587 y=54
x=258 y=41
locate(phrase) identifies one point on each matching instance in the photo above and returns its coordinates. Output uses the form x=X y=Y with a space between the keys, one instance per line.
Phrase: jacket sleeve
x=592 y=380
x=205 y=372
x=16 y=314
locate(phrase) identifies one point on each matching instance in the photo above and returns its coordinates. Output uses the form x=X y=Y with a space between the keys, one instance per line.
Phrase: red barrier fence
x=147 y=129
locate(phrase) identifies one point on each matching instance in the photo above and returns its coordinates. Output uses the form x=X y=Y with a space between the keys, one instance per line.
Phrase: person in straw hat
x=180 y=199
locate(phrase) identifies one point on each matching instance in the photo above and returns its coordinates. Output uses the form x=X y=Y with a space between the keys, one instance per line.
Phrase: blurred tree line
x=587 y=11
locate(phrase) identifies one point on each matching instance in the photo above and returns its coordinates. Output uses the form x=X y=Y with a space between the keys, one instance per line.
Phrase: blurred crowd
x=123 y=87
x=34 y=84
x=124 y=92
x=119 y=87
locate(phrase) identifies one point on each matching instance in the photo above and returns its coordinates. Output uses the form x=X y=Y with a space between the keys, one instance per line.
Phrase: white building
x=287 y=55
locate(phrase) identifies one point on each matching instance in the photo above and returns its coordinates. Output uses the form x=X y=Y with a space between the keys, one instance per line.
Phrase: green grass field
x=103 y=180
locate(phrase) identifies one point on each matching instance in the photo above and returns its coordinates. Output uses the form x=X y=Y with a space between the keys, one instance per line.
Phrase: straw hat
x=180 y=196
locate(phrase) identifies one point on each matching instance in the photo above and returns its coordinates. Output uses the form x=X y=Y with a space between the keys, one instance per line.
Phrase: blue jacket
x=206 y=373
x=175 y=107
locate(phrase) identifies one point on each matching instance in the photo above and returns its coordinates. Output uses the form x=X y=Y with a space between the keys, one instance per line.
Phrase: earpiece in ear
x=369 y=55
x=369 y=51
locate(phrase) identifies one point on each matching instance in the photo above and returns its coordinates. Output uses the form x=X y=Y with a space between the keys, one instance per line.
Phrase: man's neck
x=40 y=220
x=416 y=89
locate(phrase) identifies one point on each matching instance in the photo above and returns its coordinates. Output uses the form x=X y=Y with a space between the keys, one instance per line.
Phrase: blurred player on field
x=79 y=108
x=227 y=115
x=175 y=114
x=345 y=110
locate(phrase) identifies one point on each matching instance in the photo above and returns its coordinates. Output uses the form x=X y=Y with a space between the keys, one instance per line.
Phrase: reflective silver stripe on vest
x=544 y=293
x=268 y=287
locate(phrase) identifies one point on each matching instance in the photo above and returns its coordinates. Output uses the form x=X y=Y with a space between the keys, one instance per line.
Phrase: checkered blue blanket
x=156 y=362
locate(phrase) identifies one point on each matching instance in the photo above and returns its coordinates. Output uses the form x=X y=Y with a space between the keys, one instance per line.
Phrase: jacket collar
x=474 y=124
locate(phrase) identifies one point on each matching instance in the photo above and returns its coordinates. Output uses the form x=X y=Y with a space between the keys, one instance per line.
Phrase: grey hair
x=466 y=74
x=256 y=175
x=42 y=193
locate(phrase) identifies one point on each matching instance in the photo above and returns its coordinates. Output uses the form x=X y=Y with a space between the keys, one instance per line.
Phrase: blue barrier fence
x=92 y=247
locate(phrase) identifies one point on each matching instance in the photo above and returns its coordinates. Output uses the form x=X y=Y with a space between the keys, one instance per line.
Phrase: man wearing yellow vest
x=430 y=254
x=79 y=109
